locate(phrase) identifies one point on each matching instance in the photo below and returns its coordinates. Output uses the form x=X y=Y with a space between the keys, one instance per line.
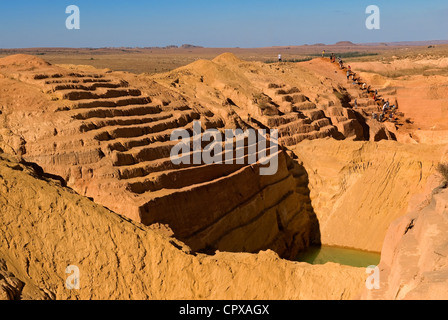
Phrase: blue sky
x=211 y=23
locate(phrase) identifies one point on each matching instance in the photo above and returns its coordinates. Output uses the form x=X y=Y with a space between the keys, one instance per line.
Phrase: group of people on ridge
x=383 y=106
x=386 y=107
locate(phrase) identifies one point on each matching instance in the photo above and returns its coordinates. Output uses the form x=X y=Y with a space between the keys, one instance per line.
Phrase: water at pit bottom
x=349 y=257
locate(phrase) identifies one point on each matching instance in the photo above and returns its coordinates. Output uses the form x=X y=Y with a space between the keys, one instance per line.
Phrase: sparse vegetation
x=442 y=168
x=344 y=97
x=265 y=104
x=287 y=99
x=293 y=90
x=281 y=92
x=425 y=71
x=289 y=60
x=345 y=55
x=268 y=110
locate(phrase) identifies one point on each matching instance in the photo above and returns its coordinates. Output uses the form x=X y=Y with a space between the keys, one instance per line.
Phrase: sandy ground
x=420 y=85
x=154 y=60
x=417 y=79
x=416 y=75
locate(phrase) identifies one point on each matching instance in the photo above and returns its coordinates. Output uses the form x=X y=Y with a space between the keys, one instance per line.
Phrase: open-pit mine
x=87 y=180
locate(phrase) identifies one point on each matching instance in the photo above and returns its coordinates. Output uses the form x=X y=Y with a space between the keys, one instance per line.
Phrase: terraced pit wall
x=110 y=141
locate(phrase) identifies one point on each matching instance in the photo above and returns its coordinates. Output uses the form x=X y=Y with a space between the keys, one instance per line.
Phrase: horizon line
x=173 y=46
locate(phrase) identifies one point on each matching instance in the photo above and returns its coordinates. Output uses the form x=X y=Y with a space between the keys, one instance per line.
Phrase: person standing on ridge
x=279 y=58
x=323 y=53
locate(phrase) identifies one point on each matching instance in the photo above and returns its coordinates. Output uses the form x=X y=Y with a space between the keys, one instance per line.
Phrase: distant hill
x=190 y=46
x=344 y=43
x=383 y=44
x=408 y=43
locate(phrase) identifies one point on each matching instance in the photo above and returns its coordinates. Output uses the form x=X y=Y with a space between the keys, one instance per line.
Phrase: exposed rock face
x=359 y=188
x=12 y=288
x=414 y=259
x=231 y=215
x=108 y=135
x=46 y=228
x=421 y=96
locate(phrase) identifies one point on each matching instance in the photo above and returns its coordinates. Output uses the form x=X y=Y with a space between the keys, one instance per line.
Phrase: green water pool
x=349 y=257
